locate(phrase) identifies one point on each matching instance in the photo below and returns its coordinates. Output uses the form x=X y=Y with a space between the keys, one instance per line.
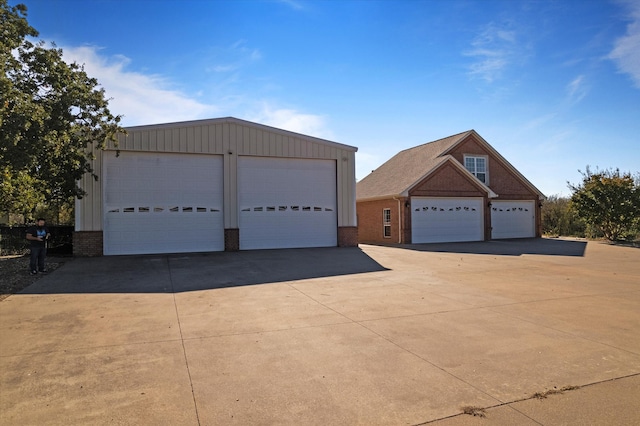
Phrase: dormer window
x=477 y=165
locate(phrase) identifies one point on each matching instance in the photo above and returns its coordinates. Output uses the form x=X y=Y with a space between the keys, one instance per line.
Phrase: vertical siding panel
x=190 y=145
x=174 y=143
x=207 y=139
x=183 y=140
x=255 y=148
x=237 y=143
x=95 y=205
x=262 y=140
x=204 y=139
x=219 y=137
x=145 y=140
x=249 y=141
x=212 y=142
x=279 y=142
x=153 y=140
x=197 y=139
x=136 y=141
x=166 y=140
x=159 y=143
x=225 y=136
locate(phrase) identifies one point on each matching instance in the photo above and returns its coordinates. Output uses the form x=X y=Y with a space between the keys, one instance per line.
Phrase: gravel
x=15 y=276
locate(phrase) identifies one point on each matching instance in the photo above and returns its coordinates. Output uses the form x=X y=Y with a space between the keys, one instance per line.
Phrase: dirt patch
x=14 y=271
x=474 y=411
x=545 y=394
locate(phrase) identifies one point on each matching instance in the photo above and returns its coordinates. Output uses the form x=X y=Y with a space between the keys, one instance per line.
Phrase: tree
x=52 y=115
x=609 y=201
x=558 y=218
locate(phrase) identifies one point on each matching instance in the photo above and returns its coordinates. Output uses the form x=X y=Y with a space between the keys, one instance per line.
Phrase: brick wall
x=448 y=181
x=231 y=239
x=501 y=180
x=370 y=225
x=87 y=243
x=347 y=236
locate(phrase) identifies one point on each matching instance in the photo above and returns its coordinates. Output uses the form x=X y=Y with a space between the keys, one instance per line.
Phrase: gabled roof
x=409 y=167
x=240 y=122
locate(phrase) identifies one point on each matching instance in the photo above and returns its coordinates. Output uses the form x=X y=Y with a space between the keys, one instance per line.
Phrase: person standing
x=38 y=235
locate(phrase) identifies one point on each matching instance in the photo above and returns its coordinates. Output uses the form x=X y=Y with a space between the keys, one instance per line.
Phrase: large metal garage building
x=213 y=185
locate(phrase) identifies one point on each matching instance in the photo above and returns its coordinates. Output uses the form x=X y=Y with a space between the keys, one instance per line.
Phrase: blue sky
x=554 y=86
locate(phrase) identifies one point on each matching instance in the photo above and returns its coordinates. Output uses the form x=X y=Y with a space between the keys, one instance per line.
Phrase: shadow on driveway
x=189 y=272
x=516 y=247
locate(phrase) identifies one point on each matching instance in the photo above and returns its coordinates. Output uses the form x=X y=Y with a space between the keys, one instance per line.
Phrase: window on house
x=386 y=222
x=478 y=167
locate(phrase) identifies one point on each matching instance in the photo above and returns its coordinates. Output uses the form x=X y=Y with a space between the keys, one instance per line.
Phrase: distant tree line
x=606 y=204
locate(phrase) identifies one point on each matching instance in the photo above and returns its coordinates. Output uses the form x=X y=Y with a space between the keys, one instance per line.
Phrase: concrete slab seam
x=560 y=331
x=536 y=395
x=184 y=350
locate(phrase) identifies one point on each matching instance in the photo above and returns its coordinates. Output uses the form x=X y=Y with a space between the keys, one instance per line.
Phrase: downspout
x=399 y=220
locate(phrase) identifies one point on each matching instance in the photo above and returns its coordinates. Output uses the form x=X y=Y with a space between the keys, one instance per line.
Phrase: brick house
x=458 y=188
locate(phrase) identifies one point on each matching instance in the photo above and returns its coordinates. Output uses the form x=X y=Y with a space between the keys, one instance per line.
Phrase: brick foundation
x=231 y=239
x=347 y=236
x=87 y=243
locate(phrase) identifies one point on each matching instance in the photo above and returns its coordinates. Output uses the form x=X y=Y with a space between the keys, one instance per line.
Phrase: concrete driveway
x=339 y=336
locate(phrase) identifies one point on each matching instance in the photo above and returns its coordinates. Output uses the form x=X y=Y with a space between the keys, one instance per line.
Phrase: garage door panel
x=287 y=203
x=513 y=219
x=151 y=208
x=446 y=219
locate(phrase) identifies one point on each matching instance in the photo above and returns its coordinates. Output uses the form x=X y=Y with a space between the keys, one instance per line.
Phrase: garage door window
x=478 y=167
x=386 y=223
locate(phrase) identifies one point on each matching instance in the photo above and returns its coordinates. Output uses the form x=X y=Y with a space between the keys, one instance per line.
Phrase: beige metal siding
x=228 y=137
x=89 y=209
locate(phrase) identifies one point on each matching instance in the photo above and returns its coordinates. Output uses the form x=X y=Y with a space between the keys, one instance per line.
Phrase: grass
x=474 y=411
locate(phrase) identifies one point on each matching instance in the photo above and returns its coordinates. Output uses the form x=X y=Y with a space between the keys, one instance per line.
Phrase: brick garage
x=457 y=188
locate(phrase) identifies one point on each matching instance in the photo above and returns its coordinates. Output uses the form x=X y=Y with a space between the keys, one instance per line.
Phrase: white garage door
x=513 y=219
x=163 y=203
x=286 y=203
x=436 y=220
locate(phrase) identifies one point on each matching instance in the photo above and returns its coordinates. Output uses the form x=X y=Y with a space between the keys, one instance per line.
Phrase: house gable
x=502 y=180
x=447 y=181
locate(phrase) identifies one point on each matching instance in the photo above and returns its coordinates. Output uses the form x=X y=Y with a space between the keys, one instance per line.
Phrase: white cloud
x=626 y=51
x=577 y=89
x=493 y=49
x=140 y=98
x=150 y=99
x=236 y=56
x=292 y=120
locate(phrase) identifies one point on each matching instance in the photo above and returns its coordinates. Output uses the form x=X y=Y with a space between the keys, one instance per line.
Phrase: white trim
x=486 y=166
x=386 y=223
